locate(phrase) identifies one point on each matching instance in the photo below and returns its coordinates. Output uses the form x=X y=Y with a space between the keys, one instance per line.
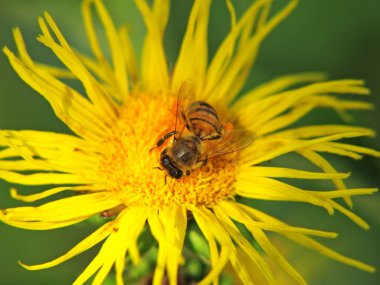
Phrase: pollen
x=130 y=165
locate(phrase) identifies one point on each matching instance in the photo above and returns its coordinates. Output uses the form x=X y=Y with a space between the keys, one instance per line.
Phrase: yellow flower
x=109 y=165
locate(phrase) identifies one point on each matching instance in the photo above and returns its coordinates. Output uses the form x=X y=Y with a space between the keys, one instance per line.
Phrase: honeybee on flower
x=198 y=136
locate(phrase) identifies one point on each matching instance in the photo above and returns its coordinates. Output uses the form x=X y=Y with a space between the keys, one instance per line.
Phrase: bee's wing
x=232 y=141
x=186 y=95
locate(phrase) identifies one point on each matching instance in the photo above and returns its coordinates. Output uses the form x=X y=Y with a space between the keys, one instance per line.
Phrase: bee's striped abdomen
x=203 y=121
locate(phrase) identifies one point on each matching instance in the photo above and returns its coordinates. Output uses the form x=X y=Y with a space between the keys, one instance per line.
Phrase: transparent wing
x=186 y=95
x=231 y=141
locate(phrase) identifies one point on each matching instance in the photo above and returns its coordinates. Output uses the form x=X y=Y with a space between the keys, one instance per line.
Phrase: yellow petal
x=158 y=232
x=261 y=238
x=329 y=148
x=38 y=225
x=47 y=193
x=125 y=228
x=338 y=104
x=65 y=209
x=168 y=226
x=322 y=163
x=284 y=120
x=23 y=165
x=212 y=231
x=276 y=85
x=308 y=242
x=275 y=255
x=253 y=155
x=269 y=108
x=345 y=192
x=175 y=231
x=194 y=45
x=316 y=246
x=130 y=224
x=270 y=189
x=97 y=262
x=355 y=149
x=232 y=210
x=236 y=259
x=320 y=131
x=154 y=72
x=117 y=55
x=119 y=270
x=67 y=165
x=102 y=101
x=129 y=54
x=119 y=72
x=224 y=54
x=84 y=245
x=55 y=152
x=68 y=105
x=353 y=217
x=44 y=178
x=161 y=13
x=229 y=83
x=265 y=171
x=57 y=72
x=68 y=96
x=243 y=243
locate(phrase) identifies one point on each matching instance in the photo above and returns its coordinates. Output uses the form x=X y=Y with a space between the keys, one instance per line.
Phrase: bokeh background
x=339 y=37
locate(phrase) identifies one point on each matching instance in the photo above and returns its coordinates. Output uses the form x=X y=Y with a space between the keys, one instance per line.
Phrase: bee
x=198 y=135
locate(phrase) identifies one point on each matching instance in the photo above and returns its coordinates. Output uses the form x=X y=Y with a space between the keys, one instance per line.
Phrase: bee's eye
x=165 y=161
x=176 y=173
x=171 y=169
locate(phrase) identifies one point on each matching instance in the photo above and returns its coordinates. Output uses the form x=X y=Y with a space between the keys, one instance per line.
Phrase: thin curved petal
x=117 y=75
x=84 y=205
x=194 y=46
x=125 y=230
x=243 y=243
x=168 y=226
x=103 y=102
x=271 y=107
x=229 y=83
x=270 y=189
x=266 y=148
x=307 y=241
x=275 y=86
x=84 y=245
x=232 y=210
x=74 y=162
x=155 y=76
x=50 y=192
x=74 y=110
x=213 y=231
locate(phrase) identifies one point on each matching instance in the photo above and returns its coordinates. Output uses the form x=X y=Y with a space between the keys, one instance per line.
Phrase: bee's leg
x=161 y=141
x=165 y=137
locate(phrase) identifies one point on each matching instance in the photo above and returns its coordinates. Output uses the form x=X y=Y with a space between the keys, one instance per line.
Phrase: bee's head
x=169 y=167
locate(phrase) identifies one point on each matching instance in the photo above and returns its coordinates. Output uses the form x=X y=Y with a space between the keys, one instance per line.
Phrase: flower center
x=131 y=168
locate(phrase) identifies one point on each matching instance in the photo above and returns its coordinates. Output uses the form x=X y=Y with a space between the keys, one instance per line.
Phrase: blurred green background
x=339 y=37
